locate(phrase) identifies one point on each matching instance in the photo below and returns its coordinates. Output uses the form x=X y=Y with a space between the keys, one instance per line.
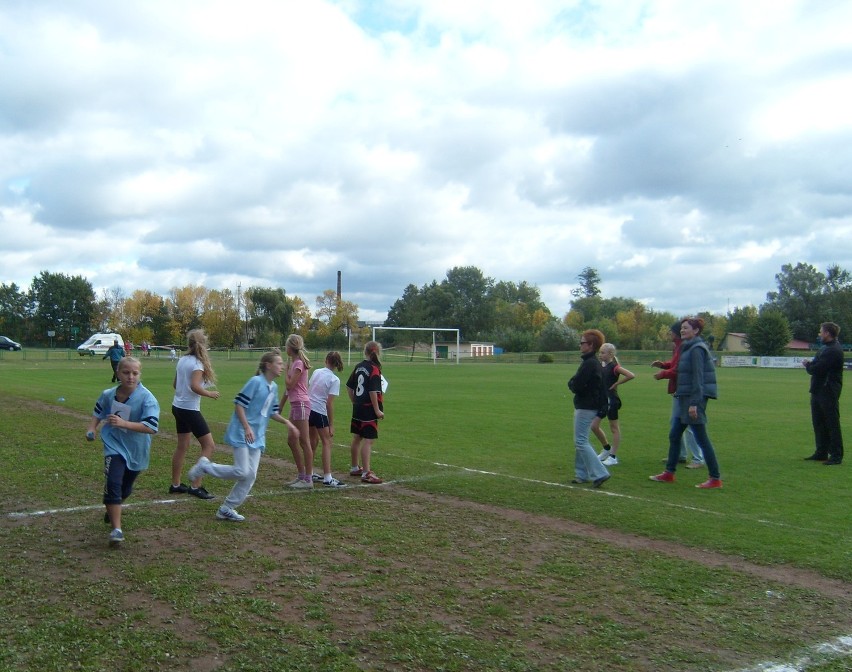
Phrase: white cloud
x=273 y=144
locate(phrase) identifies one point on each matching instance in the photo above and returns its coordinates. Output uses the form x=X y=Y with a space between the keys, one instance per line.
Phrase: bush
x=545 y=358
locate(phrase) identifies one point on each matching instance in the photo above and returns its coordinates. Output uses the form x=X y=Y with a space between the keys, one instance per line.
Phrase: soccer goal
x=433 y=355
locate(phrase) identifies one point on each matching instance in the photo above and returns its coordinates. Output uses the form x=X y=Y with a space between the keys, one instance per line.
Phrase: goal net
x=421 y=348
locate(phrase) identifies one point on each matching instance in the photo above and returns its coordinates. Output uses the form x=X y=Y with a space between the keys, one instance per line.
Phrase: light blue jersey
x=141 y=406
x=259 y=398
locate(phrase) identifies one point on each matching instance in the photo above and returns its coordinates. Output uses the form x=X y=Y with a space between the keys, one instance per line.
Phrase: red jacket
x=669 y=368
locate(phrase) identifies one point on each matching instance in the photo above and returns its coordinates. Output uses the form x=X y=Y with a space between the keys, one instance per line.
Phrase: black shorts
x=366 y=429
x=612 y=410
x=190 y=421
x=318 y=420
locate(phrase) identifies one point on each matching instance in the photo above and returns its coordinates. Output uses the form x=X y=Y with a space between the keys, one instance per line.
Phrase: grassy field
x=477 y=554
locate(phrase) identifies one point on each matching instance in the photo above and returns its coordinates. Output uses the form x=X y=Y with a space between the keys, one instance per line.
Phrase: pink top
x=299 y=391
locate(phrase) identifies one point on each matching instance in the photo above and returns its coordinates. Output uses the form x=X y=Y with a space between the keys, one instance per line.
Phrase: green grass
x=479 y=555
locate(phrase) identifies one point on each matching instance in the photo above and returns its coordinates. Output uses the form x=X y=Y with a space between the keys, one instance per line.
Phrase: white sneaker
x=333 y=483
x=302 y=485
x=199 y=469
x=116 y=537
x=227 y=513
x=603 y=454
x=610 y=461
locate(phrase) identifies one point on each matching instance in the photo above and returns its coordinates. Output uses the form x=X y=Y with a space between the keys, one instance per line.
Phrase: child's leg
x=179 y=456
x=598 y=432
x=305 y=445
x=355 y=451
x=615 y=428
x=325 y=435
x=246 y=463
x=366 y=448
x=114 y=474
x=208 y=445
x=296 y=448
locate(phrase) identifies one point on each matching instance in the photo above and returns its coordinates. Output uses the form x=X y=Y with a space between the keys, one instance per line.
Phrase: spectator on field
x=115 y=354
x=364 y=388
x=131 y=415
x=613 y=375
x=669 y=372
x=255 y=404
x=696 y=385
x=323 y=387
x=826 y=372
x=296 y=392
x=589 y=398
x=194 y=376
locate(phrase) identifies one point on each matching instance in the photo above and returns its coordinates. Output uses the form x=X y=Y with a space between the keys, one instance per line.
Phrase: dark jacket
x=826 y=370
x=696 y=373
x=587 y=385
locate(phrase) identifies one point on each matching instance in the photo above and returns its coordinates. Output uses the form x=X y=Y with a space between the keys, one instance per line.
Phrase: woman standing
x=296 y=392
x=696 y=383
x=589 y=398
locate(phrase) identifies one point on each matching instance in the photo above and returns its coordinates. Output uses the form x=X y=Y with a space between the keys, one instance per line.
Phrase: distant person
x=669 y=372
x=172 y=354
x=115 y=353
x=255 y=404
x=826 y=372
x=589 y=398
x=131 y=415
x=696 y=384
x=193 y=376
x=613 y=375
x=323 y=387
x=364 y=388
x=128 y=348
x=296 y=393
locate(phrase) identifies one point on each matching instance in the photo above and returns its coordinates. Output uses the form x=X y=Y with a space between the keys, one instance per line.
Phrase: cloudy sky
x=686 y=150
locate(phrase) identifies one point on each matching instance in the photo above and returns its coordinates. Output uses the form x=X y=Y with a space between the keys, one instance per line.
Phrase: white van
x=98 y=344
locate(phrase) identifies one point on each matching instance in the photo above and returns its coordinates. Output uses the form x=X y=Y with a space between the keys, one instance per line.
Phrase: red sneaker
x=710 y=483
x=665 y=477
x=356 y=471
x=371 y=478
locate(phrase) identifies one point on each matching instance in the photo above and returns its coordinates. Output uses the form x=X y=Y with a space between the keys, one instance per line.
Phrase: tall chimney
x=339 y=286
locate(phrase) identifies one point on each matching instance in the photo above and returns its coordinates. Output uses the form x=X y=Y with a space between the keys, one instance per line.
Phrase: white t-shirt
x=184 y=396
x=324 y=383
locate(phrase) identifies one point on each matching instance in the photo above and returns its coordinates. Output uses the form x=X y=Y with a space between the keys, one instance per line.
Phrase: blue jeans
x=688 y=438
x=587 y=466
x=700 y=432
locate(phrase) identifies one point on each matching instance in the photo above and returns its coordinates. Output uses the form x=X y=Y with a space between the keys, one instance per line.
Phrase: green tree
x=740 y=319
x=769 y=334
x=270 y=315
x=556 y=336
x=60 y=302
x=14 y=311
x=800 y=298
x=589 y=281
x=470 y=311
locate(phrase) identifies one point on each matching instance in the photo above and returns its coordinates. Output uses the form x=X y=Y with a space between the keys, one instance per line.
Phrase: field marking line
x=840 y=647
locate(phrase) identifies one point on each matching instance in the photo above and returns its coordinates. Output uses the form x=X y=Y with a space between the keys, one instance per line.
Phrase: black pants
x=114 y=371
x=825 y=416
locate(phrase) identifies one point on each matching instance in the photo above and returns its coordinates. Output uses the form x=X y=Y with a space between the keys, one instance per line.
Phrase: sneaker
x=333 y=483
x=371 y=478
x=316 y=478
x=356 y=471
x=199 y=469
x=578 y=481
x=710 y=483
x=292 y=484
x=200 y=492
x=603 y=454
x=598 y=482
x=695 y=464
x=665 y=477
x=178 y=489
x=227 y=513
x=302 y=485
x=832 y=462
x=116 y=537
x=611 y=460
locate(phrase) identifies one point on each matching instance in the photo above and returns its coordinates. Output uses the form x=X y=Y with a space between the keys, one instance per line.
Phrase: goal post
x=434 y=330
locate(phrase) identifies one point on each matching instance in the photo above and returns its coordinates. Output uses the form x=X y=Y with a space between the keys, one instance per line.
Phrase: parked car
x=8 y=344
x=98 y=344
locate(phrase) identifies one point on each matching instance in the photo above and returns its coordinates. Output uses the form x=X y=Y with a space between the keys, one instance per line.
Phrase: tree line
x=511 y=315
